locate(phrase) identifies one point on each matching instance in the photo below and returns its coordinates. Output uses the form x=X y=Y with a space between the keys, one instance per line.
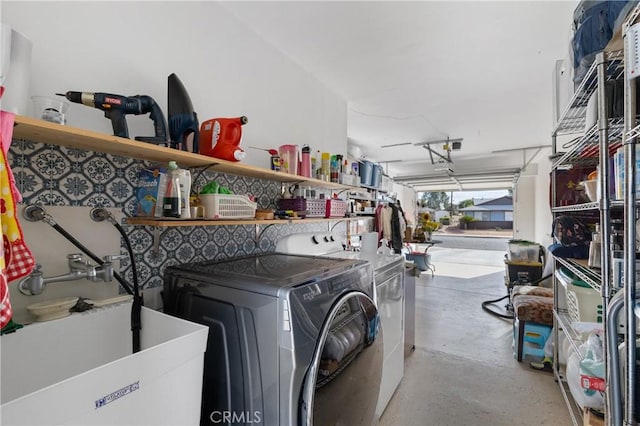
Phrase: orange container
x=220 y=138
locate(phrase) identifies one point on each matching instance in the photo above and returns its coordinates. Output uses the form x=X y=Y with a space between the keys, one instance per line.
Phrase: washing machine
x=389 y=277
x=293 y=340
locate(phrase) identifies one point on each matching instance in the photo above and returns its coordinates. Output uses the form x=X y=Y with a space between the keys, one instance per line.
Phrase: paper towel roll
x=369 y=243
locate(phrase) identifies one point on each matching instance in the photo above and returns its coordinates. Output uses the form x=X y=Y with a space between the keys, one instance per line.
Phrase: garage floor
x=463 y=371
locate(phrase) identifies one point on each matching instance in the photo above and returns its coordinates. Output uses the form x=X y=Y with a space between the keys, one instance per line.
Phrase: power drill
x=115 y=107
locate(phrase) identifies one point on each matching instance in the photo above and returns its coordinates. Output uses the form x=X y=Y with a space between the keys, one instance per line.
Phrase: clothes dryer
x=389 y=276
x=293 y=340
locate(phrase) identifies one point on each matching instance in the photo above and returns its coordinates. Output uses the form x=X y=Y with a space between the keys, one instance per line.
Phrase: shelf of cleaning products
x=158 y=223
x=72 y=137
x=150 y=221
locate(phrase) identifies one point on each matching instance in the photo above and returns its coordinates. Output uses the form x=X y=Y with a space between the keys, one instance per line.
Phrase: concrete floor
x=463 y=371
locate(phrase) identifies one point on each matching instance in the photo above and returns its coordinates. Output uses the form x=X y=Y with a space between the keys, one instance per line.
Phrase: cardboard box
x=80 y=370
x=147 y=191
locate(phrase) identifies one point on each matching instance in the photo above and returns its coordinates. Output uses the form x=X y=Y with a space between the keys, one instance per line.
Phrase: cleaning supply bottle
x=184 y=178
x=220 y=138
x=316 y=165
x=305 y=164
x=171 y=204
x=325 y=169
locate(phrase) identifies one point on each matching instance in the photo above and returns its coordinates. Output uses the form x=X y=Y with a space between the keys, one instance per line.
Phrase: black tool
x=183 y=121
x=115 y=107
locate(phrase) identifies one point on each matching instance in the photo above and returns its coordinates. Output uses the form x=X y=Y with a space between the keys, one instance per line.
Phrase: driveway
x=472 y=242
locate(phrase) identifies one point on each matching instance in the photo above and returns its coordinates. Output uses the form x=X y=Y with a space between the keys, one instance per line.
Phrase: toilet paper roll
x=369 y=243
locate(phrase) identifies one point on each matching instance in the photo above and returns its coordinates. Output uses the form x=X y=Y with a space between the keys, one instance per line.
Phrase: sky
x=466 y=195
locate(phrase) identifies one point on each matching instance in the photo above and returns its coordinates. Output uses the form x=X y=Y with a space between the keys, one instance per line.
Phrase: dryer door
x=342 y=384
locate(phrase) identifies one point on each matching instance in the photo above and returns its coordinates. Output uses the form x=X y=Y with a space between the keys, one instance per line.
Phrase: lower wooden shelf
x=168 y=222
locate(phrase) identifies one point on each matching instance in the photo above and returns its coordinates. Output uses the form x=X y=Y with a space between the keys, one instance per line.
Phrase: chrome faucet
x=78 y=269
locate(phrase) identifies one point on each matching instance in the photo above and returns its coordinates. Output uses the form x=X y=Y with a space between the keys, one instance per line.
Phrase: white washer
x=390 y=299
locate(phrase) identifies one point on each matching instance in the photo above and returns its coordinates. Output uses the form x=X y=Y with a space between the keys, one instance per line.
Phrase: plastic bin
x=79 y=370
x=297 y=204
x=336 y=208
x=519 y=252
x=366 y=172
x=376 y=176
x=224 y=206
x=316 y=208
x=584 y=303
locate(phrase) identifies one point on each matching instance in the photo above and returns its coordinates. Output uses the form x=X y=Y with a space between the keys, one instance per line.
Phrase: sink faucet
x=78 y=269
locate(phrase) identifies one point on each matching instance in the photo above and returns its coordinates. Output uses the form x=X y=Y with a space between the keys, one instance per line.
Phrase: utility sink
x=80 y=370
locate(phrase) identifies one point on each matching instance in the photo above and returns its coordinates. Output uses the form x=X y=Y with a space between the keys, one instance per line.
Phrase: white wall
x=130 y=48
x=532 y=214
x=543 y=217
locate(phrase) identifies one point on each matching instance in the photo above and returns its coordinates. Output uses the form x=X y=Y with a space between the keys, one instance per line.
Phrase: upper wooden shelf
x=72 y=137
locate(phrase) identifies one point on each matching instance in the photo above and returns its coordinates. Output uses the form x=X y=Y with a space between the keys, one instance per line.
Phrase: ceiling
x=416 y=72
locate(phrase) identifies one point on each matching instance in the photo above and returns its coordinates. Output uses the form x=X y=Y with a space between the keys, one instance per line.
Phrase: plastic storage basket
x=336 y=208
x=584 y=303
x=316 y=208
x=297 y=204
x=225 y=206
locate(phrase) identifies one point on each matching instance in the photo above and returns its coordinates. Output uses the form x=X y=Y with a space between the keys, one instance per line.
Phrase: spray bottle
x=305 y=163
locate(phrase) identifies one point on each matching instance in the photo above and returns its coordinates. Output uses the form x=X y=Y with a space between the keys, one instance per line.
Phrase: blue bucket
x=366 y=172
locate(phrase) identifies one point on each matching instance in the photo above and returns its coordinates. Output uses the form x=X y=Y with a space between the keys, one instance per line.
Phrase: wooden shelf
x=72 y=137
x=148 y=221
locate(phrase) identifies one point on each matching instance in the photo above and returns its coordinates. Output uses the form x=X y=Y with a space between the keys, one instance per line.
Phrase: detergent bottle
x=220 y=138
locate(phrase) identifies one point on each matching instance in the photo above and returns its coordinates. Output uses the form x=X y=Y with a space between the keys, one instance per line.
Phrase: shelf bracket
x=155 y=251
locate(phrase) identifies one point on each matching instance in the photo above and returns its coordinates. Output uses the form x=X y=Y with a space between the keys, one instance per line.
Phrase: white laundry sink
x=80 y=370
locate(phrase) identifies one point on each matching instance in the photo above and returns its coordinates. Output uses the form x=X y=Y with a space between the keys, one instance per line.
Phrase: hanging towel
x=18 y=260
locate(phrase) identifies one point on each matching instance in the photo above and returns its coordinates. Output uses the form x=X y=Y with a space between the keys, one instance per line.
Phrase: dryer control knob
x=314 y=239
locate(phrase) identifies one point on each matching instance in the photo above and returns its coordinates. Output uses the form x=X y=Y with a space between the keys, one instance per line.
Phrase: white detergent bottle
x=184 y=179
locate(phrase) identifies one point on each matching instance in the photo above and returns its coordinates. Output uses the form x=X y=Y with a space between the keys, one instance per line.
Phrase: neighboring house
x=496 y=213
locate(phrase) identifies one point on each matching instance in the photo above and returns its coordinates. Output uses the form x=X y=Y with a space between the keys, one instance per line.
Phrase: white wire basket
x=225 y=206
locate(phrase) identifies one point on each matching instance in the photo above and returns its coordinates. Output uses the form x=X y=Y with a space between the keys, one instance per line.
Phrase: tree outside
x=435 y=200
x=465 y=203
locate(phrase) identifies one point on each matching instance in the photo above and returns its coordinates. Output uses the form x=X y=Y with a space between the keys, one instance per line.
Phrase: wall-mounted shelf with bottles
x=229 y=222
x=72 y=137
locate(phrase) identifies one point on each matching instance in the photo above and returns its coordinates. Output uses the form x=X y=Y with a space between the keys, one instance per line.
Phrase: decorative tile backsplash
x=52 y=175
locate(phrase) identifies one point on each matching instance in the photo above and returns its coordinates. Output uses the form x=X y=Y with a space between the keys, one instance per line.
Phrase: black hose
x=501 y=315
x=89 y=253
x=492 y=312
x=136 y=307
